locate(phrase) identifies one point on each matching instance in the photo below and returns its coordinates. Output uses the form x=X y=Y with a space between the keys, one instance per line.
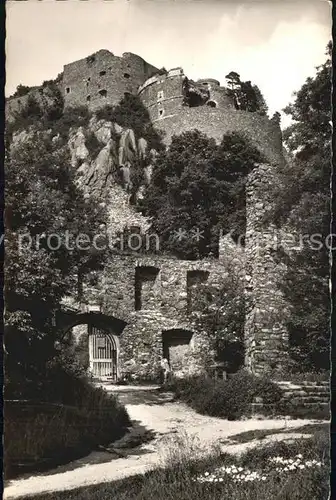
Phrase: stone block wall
x=302 y=397
x=266 y=336
x=162 y=95
x=103 y=78
x=161 y=312
x=265 y=134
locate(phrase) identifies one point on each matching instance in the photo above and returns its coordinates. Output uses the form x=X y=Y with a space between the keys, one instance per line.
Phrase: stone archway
x=103 y=354
x=102 y=334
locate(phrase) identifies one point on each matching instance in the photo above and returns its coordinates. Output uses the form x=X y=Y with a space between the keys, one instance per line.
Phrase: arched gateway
x=103 y=340
x=103 y=354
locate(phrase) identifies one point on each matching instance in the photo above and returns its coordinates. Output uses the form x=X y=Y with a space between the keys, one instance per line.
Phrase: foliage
x=43 y=205
x=302 y=204
x=177 y=479
x=21 y=90
x=41 y=111
x=229 y=398
x=58 y=433
x=247 y=97
x=199 y=185
x=222 y=312
x=131 y=113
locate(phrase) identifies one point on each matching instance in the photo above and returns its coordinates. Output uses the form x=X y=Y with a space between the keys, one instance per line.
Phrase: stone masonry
x=153 y=295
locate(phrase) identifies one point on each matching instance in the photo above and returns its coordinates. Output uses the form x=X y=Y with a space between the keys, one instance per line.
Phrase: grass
x=259 y=434
x=185 y=476
x=40 y=435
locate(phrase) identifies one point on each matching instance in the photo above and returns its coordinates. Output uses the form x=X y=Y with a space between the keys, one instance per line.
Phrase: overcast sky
x=274 y=43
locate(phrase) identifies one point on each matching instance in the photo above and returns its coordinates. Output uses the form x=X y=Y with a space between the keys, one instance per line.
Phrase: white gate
x=103 y=354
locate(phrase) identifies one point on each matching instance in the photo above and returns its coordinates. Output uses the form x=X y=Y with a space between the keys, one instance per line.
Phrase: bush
x=46 y=432
x=229 y=398
x=21 y=90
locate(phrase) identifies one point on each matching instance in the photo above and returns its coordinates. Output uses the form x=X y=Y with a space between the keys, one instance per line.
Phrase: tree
x=222 y=310
x=302 y=203
x=21 y=90
x=42 y=200
x=199 y=186
x=247 y=97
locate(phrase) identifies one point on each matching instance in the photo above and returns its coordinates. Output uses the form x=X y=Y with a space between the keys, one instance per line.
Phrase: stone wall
x=264 y=133
x=266 y=337
x=163 y=307
x=103 y=78
x=302 y=397
x=162 y=95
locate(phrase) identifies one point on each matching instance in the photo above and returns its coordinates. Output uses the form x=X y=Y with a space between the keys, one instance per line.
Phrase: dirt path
x=167 y=420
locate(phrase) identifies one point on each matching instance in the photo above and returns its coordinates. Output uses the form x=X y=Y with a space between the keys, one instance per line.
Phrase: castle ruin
x=152 y=296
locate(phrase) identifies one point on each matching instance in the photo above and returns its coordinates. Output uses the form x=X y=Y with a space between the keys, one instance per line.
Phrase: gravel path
x=168 y=420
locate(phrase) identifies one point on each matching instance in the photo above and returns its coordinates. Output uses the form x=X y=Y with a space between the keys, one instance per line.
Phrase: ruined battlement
x=103 y=78
x=264 y=133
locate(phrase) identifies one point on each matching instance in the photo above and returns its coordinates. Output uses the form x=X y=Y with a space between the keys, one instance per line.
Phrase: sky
x=274 y=43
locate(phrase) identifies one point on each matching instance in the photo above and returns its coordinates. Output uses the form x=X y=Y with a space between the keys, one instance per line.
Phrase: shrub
x=229 y=398
x=36 y=431
x=21 y=90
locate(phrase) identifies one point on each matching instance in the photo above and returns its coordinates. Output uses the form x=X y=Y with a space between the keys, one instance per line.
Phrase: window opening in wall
x=103 y=92
x=67 y=90
x=195 y=279
x=88 y=98
x=127 y=75
x=212 y=104
x=147 y=288
x=161 y=113
x=102 y=73
x=177 y=346
x=89 y=79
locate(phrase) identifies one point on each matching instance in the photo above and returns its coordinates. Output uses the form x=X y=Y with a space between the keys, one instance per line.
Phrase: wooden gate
x=103 y=354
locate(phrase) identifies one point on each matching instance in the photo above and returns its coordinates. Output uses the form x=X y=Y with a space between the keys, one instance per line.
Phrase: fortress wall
x=103 y=78
x=162 y=93
x=219 y=94
x=214 y=122
x=15 y=105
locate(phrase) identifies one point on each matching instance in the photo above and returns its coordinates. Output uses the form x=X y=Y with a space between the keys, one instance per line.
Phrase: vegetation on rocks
x=199 y=186
x=131 y=113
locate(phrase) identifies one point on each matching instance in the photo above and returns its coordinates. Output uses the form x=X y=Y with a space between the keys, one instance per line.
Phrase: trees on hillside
x=198 y=190
x=302 y=202
x=247 y=97
x=42 y=204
